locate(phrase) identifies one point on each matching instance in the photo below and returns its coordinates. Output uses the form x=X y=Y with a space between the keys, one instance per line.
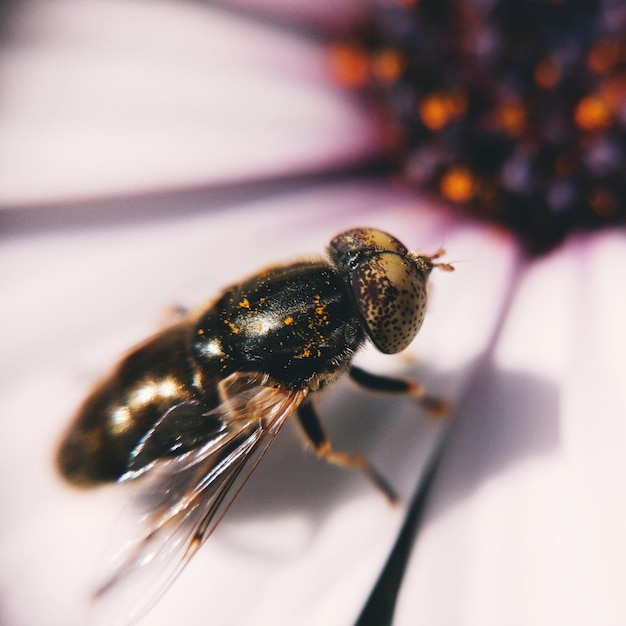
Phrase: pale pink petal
x=325 y=15
x=102 y=97
x=527 y=517
x=304 y=543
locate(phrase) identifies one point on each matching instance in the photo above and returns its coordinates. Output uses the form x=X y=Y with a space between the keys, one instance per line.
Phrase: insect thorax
x=296 y=323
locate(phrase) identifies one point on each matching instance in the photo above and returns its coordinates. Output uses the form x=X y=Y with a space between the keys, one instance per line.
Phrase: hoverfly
x=189 y=413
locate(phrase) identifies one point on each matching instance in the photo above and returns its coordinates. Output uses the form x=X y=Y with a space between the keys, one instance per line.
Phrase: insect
x=189 y=413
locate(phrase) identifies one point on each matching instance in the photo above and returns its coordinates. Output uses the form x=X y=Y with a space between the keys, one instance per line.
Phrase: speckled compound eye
x=369 y=239
x=348 y=248
x=390 y=292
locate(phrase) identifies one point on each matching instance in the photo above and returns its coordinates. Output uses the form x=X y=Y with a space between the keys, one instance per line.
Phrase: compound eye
x=391 y=296
x=359 y=239
x=347 y=248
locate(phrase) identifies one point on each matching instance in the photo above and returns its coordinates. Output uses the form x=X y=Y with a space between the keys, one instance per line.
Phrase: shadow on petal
x=504 y=419
x=507 y=418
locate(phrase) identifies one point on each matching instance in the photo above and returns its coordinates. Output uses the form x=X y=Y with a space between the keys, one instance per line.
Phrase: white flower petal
x=304 y=542
x=104 y=97
x=527 y=515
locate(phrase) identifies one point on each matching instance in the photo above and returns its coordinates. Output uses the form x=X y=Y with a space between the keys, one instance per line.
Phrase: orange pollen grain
x=547 y=73
x=613 y=91
x=434 y=112
x=288 y=320
x=512 y=118
x=603 y=56
x=349 y=64
x=592 y=113
x=387 y=66
x=457 y=104
x=245 y=303
x=438 y=109
x=604 y=203
x=304 y=354
x=457 y=184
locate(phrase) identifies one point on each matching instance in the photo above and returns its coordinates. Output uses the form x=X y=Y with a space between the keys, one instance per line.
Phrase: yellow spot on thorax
x=320 y=311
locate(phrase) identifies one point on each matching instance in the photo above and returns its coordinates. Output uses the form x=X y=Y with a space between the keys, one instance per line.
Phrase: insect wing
x=180 y=500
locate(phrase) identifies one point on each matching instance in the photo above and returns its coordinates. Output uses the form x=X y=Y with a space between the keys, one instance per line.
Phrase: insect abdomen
x=152 y=378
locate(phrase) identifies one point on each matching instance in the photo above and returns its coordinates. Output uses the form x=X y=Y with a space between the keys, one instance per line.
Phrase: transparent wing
x=181 y=498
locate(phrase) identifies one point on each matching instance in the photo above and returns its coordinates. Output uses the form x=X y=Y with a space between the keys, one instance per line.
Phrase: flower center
x=514 y=111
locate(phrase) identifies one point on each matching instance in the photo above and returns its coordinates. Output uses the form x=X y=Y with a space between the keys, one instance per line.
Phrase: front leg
x=435 y=407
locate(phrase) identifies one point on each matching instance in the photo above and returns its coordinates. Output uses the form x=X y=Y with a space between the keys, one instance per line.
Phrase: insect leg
x=436 y=407
x=315 y=434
